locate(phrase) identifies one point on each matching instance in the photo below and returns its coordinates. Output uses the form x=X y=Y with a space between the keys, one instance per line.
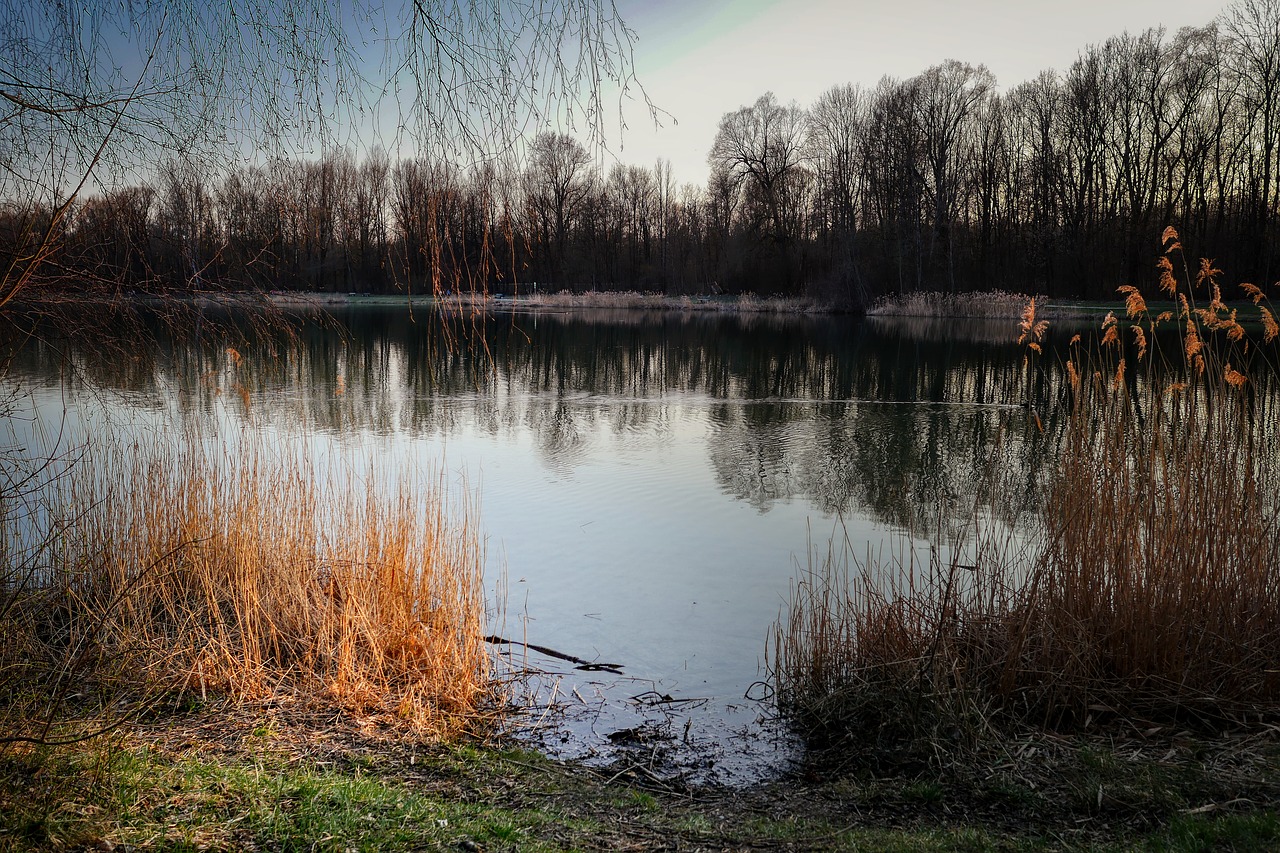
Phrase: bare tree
x=1035 y=112
x=250 y=220
x=187 y=223
x=363 y=215
x=557 y=182
x=947 y=97
x=110 y=237
x=761 y=148
x=1254 y=26
x=93 y=90
x=836 y=128
x=894 y=164
x=632 y=191
x=664 y=186
x=1088 y=109
x=993 y=165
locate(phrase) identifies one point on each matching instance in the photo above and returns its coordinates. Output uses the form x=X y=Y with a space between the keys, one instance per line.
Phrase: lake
x=650 y=484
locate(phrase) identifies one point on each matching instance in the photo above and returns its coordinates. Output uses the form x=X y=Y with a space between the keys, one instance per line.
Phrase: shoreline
x=288 y=775
x=920 y=305
x=630 y=300
x=996 y=306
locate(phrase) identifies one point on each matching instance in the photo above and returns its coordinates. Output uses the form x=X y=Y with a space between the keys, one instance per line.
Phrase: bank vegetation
x=139 y=577
x=1144 y=604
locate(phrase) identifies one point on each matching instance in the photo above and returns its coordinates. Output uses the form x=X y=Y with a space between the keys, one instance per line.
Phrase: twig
x=615 y=668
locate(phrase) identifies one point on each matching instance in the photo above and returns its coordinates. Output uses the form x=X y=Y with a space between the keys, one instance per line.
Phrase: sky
x=699 y=59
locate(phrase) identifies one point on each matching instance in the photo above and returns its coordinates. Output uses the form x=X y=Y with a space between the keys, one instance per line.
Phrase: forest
x=1060 y=185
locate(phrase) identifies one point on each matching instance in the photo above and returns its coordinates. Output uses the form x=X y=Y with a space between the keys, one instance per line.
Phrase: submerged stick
x=579 y=663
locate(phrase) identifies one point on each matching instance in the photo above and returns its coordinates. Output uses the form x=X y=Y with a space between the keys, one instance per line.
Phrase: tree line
x=1060 y=185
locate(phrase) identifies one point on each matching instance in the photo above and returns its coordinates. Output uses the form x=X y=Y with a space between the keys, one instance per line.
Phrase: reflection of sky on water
x=648 y=492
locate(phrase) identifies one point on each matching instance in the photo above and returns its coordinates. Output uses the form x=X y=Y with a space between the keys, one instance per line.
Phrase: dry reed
x=1151 y=591
x=195 y=572
x=988 y=304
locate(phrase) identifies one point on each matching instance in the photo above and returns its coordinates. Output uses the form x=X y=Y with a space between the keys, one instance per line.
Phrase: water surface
x=649 y=484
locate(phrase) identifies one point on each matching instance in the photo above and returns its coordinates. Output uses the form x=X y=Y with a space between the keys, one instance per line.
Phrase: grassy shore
x=281 y=777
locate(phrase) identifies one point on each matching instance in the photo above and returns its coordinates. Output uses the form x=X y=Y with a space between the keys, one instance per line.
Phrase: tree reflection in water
x=898 y=419
x=654 y=477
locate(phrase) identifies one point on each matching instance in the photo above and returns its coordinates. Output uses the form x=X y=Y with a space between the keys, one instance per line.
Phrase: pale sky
x=699 y=59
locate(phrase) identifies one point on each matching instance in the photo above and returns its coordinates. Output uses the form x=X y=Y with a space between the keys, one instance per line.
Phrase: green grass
x=1238 y=833
x=217 y=784
x=192 y=803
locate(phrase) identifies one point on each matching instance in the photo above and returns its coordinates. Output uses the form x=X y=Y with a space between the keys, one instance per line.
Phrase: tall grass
x=1149 y=595
x=987 y=304
x=191 y=573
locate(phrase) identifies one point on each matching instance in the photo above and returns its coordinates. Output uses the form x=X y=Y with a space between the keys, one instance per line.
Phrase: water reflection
x=650 y=480
x=896 y=419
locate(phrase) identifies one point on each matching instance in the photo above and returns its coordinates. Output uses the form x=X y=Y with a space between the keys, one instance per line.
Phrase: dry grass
x=1151 y=595
x=195 y=572
x=988 y=304
x=984 y=305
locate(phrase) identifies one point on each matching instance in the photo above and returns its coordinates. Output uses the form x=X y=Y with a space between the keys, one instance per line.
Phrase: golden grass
x=196 y=573
x=1151 y=591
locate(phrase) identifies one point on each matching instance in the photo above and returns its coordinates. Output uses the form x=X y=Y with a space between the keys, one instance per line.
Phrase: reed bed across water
x=744 y=303
x=927 y=303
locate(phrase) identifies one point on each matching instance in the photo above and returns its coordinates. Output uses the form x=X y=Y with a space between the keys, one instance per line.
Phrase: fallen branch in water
x=579 y=663
x=653 y=698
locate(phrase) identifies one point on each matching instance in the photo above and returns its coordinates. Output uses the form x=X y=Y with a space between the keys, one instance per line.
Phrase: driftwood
x=578 y=663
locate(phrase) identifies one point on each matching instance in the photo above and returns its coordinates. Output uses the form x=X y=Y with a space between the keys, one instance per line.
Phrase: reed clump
x=190 y=573
x=928 y=303
x=1148 y=596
